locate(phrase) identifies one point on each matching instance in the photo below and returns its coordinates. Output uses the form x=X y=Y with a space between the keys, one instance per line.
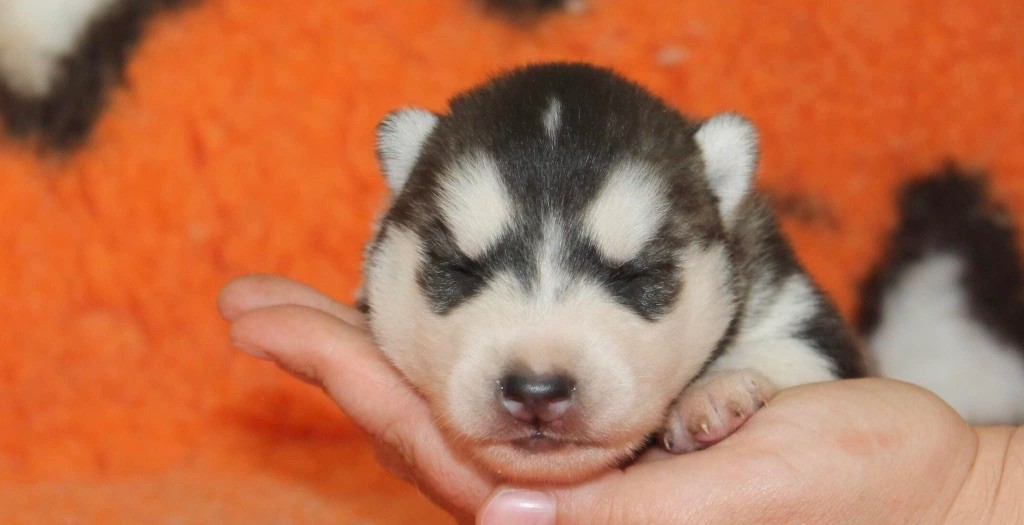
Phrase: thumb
x=708 y=487
x=612 y=499
x=524 y=507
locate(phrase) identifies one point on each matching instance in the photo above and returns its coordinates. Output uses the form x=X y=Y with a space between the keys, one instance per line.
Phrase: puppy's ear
x=729 y=146
x=400 y=139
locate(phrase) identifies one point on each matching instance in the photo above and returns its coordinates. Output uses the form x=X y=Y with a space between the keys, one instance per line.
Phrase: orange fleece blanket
x=242 y=141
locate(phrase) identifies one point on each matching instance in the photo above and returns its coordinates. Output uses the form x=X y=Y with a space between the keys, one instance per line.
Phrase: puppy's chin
x=546 y=462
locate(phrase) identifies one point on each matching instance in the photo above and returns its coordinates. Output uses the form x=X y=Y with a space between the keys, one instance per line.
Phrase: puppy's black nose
x=531 y=397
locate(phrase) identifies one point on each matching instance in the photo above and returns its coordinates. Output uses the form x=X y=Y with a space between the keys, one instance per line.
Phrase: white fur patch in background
x=928 y=337
x=36 y=34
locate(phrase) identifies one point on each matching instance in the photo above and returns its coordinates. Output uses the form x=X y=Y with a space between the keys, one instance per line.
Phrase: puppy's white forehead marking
x=552 y=279
x=474 y=203
x=628 y=211
x=553 y=118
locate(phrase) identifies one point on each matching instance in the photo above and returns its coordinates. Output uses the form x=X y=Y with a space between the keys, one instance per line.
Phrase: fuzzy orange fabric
x=244 y=142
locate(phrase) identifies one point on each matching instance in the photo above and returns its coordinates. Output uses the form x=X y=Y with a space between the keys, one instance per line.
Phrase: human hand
x=865 y=451
x=326 y=343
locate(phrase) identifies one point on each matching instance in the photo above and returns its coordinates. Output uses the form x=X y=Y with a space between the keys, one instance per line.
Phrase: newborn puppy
x=569 y=267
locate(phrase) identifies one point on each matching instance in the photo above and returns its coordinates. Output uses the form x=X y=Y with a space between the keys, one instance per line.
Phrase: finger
x=352 y=370
x=332 y=353
x=252 y=292
x=696 y=488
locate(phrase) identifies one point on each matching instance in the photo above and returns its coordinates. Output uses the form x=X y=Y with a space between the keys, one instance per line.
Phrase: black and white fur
x=60 y=58
x=945 y=308
x=562 y=220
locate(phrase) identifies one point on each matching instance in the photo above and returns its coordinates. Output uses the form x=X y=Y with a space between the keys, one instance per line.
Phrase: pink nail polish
x=520 y=507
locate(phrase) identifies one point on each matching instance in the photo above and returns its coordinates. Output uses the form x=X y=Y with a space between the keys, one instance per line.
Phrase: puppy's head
x=555 y=265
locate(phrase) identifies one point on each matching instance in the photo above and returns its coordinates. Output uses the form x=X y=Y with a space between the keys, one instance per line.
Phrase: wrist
x=992 y=491
x=1009 y=501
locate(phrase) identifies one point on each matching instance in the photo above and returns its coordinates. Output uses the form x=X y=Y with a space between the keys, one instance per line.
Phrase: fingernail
x=252 y=350
x=520 y=507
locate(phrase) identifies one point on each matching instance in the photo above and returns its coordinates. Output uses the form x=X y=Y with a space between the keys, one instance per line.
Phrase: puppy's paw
x=712 y=408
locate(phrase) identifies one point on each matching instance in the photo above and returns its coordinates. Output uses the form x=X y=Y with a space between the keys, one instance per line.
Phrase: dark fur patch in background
x=524 y=5
x=65 y=117
x=524 y=13
x=803 y=208
x=950 y=211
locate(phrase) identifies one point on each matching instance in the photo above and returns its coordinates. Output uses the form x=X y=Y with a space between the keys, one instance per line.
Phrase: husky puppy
x=570 y=267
